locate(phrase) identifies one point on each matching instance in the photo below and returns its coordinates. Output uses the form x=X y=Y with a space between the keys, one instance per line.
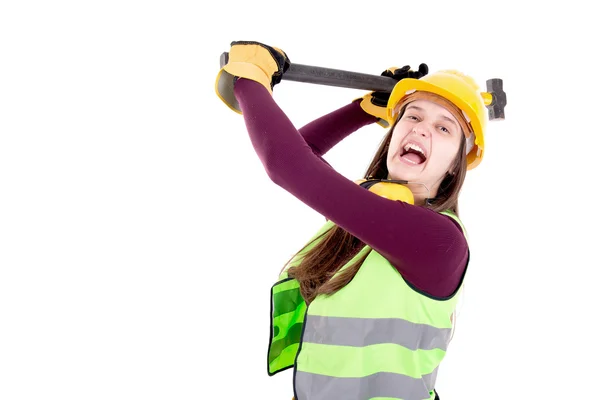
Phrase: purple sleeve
x=427 y=248
x=325 y=132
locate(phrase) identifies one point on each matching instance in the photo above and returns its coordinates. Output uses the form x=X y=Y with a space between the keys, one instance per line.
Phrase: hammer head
x=496 y=108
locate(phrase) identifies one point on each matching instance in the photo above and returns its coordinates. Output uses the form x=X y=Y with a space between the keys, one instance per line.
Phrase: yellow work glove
x=375 y=103
x=251 y=60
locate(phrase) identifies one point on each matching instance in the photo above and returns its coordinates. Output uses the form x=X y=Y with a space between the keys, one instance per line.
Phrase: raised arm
x=427 y=248
x=327 y=131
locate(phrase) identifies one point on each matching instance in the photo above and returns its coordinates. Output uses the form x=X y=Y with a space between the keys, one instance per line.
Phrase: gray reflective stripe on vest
x=360 y=332
x=382 y=384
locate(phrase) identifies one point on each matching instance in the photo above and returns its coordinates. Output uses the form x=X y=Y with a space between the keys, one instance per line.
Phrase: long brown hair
x=336 y=247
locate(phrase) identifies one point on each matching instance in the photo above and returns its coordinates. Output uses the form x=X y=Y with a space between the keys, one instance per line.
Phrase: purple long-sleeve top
x=427 y=248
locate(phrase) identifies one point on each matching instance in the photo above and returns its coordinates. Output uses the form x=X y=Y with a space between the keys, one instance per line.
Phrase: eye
x=411 y=117
x=444 y=129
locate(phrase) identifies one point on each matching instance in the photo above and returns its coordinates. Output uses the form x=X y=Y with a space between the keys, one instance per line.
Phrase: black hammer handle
x=333 y=77
x=494 y=98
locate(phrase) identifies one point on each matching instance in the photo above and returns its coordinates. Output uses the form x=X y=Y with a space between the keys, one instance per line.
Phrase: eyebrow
x=442 y=116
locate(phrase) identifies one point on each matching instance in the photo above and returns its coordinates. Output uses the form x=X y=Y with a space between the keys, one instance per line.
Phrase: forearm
x=325 y=132
x=427 y=248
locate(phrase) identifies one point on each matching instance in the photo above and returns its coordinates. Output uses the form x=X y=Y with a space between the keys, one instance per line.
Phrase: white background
x=140 y=235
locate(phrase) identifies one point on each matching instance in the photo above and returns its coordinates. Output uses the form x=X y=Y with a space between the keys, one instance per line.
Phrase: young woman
x=365 y=309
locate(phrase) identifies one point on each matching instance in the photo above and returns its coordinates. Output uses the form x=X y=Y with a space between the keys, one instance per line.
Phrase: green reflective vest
x=376 y=338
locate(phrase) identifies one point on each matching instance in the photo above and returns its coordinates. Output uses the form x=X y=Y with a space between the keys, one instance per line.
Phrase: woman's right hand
x=250 y=60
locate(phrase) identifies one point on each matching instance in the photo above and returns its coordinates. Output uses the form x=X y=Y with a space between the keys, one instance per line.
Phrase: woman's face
x=424 y=144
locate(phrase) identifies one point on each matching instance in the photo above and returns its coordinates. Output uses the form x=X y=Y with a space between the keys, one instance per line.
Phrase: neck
x=420 y=193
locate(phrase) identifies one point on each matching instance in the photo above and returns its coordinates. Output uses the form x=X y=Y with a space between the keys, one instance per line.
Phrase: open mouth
x=412 y=153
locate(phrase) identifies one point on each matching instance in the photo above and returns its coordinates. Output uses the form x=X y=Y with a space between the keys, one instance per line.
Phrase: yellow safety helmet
x=456 y=87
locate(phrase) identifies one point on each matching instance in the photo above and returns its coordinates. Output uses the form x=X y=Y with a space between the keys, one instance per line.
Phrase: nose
x=421 y=130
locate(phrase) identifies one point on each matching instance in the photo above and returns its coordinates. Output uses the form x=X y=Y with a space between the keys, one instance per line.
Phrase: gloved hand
x=375 y=103
x=251 y=60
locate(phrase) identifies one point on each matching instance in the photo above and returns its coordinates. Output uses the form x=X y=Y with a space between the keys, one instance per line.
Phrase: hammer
x=494 y=99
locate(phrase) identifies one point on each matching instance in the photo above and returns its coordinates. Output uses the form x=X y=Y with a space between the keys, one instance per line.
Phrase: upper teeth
x=414 y=147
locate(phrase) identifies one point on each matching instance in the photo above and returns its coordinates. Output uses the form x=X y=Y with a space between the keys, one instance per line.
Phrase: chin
x=400 y=173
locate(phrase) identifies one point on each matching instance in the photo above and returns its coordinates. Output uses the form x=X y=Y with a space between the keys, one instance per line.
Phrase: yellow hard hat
x=458 y=88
